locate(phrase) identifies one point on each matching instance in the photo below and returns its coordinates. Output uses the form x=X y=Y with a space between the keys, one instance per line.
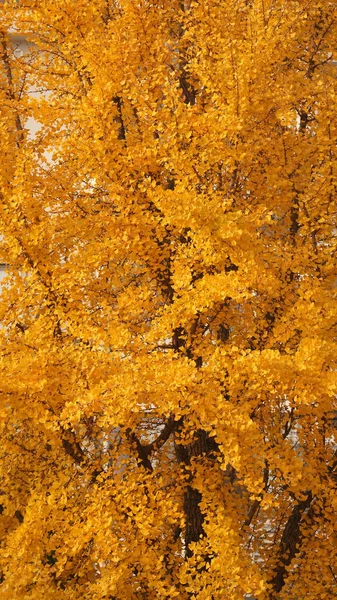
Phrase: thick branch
x=202 y=445
x=74 y=450
x=290 y=541
x=10 y=83
x=162 y=437
x=256 y=504
x=144 y=452
x=119 y=119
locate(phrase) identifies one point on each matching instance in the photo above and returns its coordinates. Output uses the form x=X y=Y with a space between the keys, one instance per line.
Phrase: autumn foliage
x=168 y=340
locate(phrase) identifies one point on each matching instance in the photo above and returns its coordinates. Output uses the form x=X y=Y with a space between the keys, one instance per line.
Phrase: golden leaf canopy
x=168 y=339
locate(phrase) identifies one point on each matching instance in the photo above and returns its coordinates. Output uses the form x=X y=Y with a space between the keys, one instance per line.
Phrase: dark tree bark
x=289 y=545
x=202 y=445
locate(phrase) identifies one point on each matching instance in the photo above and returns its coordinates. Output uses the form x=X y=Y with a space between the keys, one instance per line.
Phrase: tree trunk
x=202 y=445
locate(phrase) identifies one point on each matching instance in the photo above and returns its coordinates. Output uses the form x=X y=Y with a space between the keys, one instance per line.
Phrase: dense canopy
x=168 y=340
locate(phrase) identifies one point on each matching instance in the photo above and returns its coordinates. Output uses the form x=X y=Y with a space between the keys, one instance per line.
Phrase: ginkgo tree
x=168 y=340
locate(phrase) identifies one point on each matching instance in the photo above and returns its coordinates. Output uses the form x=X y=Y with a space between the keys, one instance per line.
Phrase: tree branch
x=10 y=91
x=144 y=452
x=290 y=540
x=164 y=435
x=74 y=450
